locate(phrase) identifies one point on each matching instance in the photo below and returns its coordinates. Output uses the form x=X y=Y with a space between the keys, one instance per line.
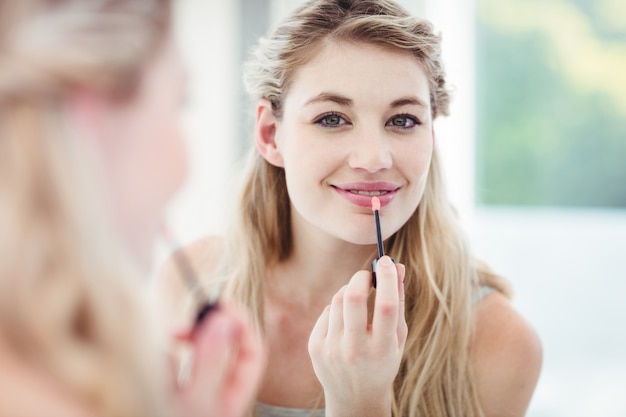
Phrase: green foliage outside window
x=551 y=102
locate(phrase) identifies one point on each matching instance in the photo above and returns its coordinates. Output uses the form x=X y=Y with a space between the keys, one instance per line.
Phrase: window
x=551 y=107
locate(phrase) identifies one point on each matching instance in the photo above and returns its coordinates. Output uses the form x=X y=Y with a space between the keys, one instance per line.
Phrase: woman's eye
x=331 y=120
x=403 y=121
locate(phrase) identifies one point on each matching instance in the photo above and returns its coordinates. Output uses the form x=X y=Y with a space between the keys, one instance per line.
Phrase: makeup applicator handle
x=379 y=238
x=190 y=276
x=374 y=263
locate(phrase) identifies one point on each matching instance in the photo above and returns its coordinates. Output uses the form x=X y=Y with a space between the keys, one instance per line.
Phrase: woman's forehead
x=360 y=70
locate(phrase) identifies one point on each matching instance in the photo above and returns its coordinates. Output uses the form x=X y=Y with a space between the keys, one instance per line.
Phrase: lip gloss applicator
x=379 y=237
x=205 y=302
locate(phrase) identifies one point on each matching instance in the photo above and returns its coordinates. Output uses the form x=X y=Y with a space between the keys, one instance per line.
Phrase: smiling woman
x=347 y=92
x=339 y=141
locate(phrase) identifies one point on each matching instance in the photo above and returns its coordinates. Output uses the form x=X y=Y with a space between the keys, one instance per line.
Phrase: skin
x=507 y=356
x=320 y=339
x=140 y=150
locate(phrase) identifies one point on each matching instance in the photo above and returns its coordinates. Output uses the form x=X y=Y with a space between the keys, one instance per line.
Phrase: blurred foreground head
x=99 y=82
x=90 y=151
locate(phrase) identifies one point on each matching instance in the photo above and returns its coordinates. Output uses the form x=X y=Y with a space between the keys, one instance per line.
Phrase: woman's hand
x=356 y=362
x=227 y=362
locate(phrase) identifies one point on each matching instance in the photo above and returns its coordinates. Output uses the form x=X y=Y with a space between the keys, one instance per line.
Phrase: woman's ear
x=265 y=134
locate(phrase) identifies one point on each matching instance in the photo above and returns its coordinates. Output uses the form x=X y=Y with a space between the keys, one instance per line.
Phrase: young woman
x=90 y=151
x=347 y=93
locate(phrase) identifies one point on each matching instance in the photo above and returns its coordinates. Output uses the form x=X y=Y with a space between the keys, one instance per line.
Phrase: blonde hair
x=435 y=376
x=69 y=297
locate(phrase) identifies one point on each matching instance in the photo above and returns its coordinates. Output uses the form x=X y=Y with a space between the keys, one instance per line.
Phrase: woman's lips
x=361 y=194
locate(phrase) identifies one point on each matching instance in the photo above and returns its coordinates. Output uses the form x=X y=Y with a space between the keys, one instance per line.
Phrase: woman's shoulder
x=507 y=356
x=202 y=256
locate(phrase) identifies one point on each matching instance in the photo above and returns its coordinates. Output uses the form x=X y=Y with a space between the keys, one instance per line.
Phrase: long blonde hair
x=69 y=297
x=435 y=376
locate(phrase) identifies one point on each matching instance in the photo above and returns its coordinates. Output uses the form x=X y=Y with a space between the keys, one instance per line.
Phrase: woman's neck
x=318 y=266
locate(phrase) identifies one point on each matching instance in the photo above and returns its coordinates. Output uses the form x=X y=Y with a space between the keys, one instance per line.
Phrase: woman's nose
x=371 y=152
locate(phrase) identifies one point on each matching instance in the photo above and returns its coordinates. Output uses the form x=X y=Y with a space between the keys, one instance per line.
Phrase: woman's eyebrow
x=333 y=97
x=409 y=100
x=348 y=102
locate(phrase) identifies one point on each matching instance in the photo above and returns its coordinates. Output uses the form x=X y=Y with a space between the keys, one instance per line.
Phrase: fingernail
x=385 y=261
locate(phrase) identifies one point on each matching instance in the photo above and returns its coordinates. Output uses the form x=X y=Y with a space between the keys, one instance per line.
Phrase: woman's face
x=357 y=123
x=143 y=152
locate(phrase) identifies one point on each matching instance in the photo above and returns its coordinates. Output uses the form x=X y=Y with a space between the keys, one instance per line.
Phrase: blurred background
x=534 y=152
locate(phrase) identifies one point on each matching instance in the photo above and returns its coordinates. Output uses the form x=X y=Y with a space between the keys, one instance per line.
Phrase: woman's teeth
x=368 y=193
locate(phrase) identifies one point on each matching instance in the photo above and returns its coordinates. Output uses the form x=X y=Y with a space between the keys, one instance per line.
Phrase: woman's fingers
x=212 y=350
x=402 y=329
x=347 y=315
x=206 y=367
x=335 y=323
x=247 y=365
x=387 y=302
x=355 y=307
x=227 y=363
x=319 y=332
x=346 y=350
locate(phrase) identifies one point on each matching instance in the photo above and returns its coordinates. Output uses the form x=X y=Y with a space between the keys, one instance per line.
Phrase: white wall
x=567 y=267
x=207 y=33
x=455 y=134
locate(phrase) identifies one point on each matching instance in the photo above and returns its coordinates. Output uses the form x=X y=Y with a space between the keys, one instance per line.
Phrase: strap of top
x=265 y=410
x=481 y=293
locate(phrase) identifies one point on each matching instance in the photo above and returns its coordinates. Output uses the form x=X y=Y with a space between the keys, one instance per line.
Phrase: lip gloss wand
x=205 y=302
x=379 y=237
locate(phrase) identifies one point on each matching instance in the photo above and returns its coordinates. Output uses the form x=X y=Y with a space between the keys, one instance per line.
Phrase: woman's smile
x=361 y=193
x=341 y=136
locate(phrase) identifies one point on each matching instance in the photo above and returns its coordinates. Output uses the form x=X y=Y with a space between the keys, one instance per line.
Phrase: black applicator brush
x=379 y=237
x=188 y=273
